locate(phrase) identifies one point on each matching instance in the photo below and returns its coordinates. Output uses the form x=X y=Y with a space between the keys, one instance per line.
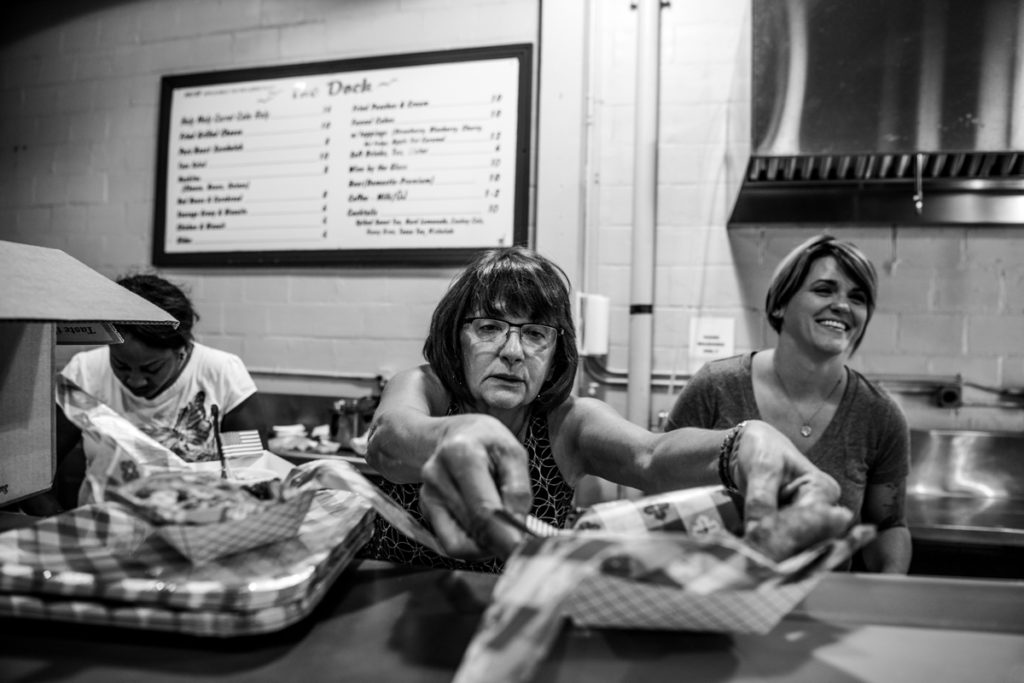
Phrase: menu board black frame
x=190 y=202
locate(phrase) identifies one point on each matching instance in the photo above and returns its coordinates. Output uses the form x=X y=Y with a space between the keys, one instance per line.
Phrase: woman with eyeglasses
x=820 y=302
x=490 y=422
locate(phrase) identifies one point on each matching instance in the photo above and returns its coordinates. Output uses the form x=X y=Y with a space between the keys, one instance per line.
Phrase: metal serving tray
x=98 y=564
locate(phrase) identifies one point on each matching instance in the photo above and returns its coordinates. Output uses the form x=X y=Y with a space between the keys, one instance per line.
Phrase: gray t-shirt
x=867 y=441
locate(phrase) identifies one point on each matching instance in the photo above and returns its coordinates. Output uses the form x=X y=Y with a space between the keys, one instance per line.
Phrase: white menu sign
x=361 y=163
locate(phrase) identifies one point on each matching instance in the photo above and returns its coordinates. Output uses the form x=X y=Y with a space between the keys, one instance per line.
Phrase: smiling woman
x=820 y=302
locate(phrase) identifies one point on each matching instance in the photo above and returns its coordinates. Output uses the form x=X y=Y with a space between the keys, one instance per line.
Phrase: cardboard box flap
x=42 y=284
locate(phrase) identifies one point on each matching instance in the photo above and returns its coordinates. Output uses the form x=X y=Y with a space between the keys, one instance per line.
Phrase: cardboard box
x=46 y=296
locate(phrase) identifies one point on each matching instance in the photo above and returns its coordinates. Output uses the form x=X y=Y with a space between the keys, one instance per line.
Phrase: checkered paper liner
x=266 y=521
x=736 y=592
x=610 y=602
x=626 y=571
x=575 y=575
x=201 y=543
x=100 y=564
x=669 y=561
x=679 y=546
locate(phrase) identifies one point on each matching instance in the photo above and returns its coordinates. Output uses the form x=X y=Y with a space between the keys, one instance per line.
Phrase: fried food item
x=194 y=498
x=795 y=528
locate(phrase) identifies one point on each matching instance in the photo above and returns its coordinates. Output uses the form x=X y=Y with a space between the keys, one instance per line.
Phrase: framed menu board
x=417 y=158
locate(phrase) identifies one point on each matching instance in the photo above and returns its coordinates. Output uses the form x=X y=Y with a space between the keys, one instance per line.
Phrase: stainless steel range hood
x=886 y=112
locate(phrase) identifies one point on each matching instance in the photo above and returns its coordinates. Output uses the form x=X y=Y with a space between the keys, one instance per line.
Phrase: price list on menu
x=423 y=156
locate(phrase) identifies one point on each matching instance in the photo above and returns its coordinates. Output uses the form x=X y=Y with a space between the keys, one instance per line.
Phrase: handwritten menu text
x=415 y=156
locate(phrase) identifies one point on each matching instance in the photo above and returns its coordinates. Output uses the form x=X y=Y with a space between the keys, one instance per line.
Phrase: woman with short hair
x=820 y=301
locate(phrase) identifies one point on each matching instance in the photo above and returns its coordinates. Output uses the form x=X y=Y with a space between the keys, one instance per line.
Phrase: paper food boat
x=201 y=543
x=605 y=601
x=225 y=519
x=696 y=575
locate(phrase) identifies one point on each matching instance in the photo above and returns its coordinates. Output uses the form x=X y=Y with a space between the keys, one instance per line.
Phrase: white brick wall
x=80 y=101
x=77 y=166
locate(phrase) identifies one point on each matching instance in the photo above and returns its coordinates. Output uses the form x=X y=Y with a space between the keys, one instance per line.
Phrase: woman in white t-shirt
x=161 y=380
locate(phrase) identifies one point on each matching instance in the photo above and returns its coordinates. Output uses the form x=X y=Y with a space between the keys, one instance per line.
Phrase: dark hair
x=793 y=269
x=169 y=297
x=505 y=282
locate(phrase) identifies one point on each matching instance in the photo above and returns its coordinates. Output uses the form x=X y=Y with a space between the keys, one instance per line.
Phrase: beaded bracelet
x=725 y=456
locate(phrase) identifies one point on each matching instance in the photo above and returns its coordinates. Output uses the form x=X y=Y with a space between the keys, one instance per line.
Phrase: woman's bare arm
x=407 y=425
x=410 y=425
x=469 y=464
x=477 y=465
x=590 y=437
x=884 y=506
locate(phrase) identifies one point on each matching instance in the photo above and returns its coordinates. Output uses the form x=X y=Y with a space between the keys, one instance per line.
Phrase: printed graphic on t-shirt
x=191 y=436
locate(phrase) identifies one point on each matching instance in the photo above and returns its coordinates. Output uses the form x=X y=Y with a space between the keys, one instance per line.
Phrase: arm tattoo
x=893 y=505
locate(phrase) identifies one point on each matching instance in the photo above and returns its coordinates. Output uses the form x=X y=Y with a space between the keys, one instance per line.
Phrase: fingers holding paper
x=465 y=480
x=789 y=503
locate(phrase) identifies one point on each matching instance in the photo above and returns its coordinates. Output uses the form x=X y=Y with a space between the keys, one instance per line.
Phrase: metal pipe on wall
x=317 y=374
x=645 y=181
x=599 y=374
x=316 y=382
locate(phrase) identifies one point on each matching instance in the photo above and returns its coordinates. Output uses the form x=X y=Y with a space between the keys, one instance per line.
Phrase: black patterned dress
x=552 y=502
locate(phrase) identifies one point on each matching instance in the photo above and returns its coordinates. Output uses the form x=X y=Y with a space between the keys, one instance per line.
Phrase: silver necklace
x=805 y=429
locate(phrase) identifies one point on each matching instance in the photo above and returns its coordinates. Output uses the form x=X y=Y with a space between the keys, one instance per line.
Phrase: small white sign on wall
x=711 y=338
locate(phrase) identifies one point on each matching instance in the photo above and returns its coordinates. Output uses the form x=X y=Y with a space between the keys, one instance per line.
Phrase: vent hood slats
x=884 y=83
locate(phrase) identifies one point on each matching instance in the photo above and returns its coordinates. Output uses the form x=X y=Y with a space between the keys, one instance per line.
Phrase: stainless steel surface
x=885 y=112
x=968 y=464
x=966 y=487
x=966 y=521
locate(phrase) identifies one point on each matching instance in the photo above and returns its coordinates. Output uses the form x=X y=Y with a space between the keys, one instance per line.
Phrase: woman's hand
x=771 y=472
x=789 y=503
x=477 y=467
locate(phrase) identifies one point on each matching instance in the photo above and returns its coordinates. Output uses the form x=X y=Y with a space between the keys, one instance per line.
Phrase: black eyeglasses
x=534 y=337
